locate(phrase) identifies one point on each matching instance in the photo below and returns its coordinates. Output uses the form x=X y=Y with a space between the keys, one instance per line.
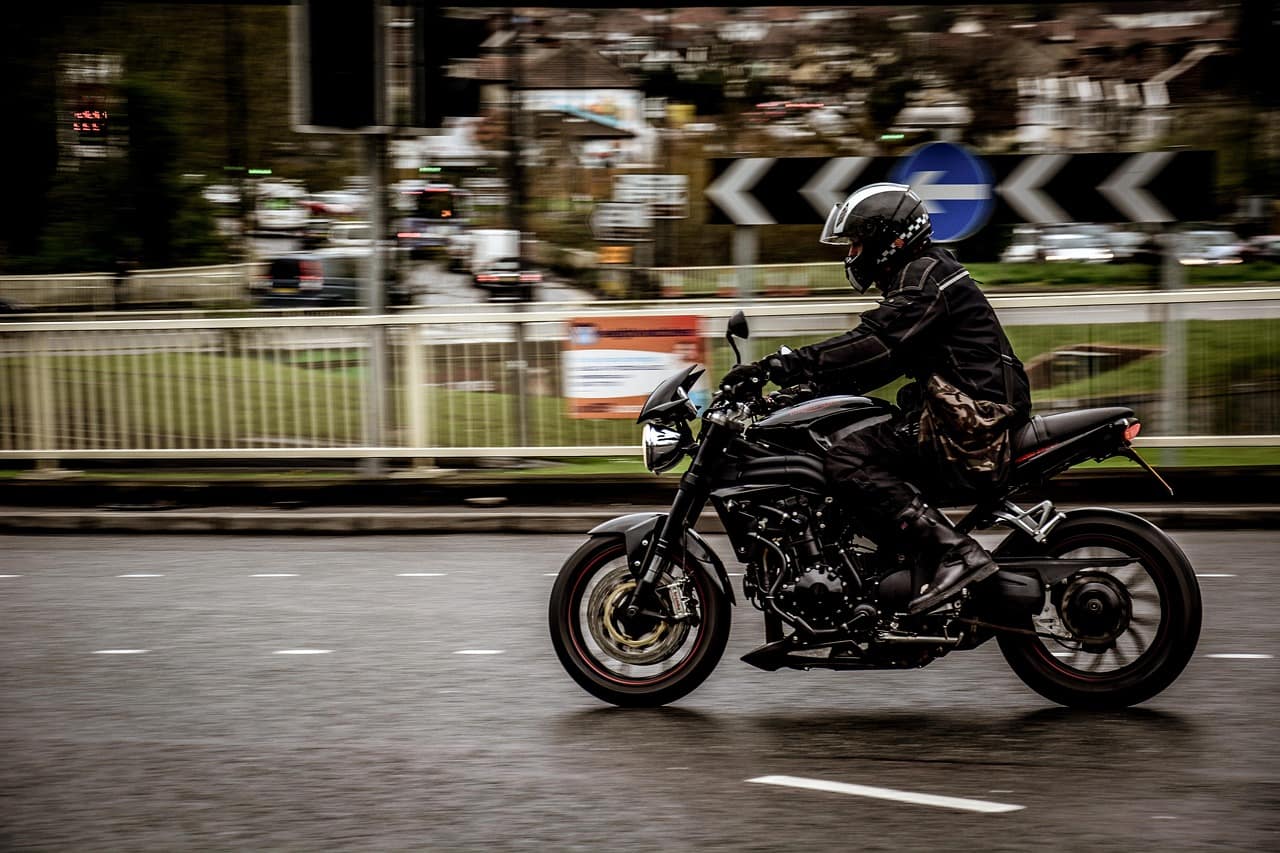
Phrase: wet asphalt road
x=389 y=737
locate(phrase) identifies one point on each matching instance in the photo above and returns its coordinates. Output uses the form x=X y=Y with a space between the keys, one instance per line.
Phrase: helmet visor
x=829 y=235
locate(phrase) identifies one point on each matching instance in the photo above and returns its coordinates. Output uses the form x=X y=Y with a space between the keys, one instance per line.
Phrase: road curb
x=566 y=520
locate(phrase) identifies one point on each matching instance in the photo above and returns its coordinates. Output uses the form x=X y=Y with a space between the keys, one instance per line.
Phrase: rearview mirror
x=737 y=329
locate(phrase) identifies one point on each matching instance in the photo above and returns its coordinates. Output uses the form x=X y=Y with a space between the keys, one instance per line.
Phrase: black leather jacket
x=933 y=319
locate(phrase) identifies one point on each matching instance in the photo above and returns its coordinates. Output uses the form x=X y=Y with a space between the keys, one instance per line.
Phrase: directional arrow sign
x=832 y=184
x=964 y=193
x=1021 y=190
x=1125 y=188
x=731 y=192
x=954 y=184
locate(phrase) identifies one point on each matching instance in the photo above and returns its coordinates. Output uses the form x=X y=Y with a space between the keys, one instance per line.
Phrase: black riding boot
x=961 y=560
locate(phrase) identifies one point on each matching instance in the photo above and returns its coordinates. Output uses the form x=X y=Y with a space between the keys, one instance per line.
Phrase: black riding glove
x=787 y=368
x=747 y=374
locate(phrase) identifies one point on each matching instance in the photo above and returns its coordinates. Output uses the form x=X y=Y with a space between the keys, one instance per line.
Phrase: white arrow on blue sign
x=954 y=184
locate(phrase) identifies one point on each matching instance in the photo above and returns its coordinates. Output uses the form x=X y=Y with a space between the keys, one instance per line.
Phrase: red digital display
x=89 y=121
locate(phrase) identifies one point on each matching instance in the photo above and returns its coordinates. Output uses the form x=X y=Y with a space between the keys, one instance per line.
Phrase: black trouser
x=873 y=471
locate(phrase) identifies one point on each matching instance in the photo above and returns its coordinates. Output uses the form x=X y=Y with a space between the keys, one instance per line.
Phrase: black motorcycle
x=1093 y=608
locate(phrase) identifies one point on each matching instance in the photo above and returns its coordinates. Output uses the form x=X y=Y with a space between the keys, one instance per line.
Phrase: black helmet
x=891 y=223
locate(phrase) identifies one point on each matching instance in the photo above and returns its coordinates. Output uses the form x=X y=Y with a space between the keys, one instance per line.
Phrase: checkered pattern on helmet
x=914 y=227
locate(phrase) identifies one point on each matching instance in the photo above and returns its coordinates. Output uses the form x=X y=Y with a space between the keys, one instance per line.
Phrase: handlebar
x=749 y=394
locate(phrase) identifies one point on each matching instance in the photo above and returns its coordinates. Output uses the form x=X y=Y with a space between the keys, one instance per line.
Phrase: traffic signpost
x=962 y=188
x=954 y=185
x=666 y=195
x=618 y=220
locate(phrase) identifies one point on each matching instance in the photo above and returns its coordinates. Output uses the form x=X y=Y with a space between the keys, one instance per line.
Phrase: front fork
x=668 y=539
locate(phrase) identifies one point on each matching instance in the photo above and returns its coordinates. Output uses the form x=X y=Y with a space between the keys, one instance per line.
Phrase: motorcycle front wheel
x=627 y=663
x=1113 y=636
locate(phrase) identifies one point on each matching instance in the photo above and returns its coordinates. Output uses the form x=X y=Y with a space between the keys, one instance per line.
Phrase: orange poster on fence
x=612 y=363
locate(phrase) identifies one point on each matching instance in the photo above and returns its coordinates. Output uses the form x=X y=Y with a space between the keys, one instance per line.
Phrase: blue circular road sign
x=955 y=185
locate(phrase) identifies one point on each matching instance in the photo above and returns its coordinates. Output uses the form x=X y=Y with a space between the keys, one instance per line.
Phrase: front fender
x=637 y=530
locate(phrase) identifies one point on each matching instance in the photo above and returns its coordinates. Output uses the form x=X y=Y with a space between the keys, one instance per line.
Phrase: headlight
x=663 y=447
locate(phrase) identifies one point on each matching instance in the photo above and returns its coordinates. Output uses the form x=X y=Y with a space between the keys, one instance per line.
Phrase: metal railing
x=99 y=291
x=491 y=383
x=767 y=280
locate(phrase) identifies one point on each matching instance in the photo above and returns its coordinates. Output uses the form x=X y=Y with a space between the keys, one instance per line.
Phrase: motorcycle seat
x=1044 y=430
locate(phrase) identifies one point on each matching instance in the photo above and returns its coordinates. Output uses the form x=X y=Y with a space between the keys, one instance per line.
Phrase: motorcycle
x=1092 y=608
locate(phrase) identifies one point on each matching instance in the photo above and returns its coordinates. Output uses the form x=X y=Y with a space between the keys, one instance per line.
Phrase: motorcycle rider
x=935 y=326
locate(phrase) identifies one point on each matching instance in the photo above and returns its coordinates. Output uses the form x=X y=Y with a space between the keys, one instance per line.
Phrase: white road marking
x=10 y=576
x=1164 y=817
x=887 y=794
x=479 y=652
x=1240 y=656
x=140 y=575
x=549 y=574
x=304 y=652
x=121 y=651
x=421 y=575
x=1213 y=575
x=274 y=575
x=1062 y=654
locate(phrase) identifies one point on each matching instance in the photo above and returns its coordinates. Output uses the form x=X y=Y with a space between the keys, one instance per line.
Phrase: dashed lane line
x=479 y=652
x=304 y=652
x=121 y=651
x=912 y=797
x=1213 y=575
x=1240 y=656
x=10 y=576
x=421 y=574
x=141 y=575
x=274 y=575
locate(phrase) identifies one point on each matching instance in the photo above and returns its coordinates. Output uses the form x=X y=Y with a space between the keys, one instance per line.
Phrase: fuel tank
x=815 y=425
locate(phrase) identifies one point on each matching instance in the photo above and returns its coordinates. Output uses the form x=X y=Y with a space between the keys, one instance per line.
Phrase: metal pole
x=746 y=249
x=375 y=303
x=1174 y=410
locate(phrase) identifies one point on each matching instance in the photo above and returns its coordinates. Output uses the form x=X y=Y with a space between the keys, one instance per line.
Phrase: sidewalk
x=438 y=520
x=485 y=502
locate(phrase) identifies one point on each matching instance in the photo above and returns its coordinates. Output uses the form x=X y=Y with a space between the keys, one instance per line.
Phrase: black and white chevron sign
x=1154 y=186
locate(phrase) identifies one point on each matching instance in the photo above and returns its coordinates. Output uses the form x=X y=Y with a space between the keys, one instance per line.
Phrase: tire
x=677 y=659
x=1162 y=628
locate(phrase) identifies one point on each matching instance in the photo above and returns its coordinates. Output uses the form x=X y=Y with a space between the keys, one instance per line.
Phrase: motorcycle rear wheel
x=627 y=667
x=1159 y=600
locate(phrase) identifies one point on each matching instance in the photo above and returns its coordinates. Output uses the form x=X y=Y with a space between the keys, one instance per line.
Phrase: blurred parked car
x=325 y=277
x=281 y=208
x=350 y=234
x=504 y=279
x=222 y=194
x=1263 y=248
x=1075 y=246
x=1209 y=247
x=1134 y=247
x=1024 y=248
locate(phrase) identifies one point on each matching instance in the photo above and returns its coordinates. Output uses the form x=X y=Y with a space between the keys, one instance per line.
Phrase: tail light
x=530 y=277
x=486 y=277
x=409 y=235
x=310 y=276
x=1131 y=431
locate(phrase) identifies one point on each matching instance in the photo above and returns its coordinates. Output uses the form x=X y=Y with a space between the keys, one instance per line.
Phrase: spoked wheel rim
x=1117 y=616
x=630 y=654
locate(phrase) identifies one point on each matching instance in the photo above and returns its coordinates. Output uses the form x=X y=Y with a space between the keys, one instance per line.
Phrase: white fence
x=221 y=285
x=491 y=384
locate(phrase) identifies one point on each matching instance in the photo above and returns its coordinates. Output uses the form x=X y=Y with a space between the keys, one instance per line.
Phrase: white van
x=281 y=207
